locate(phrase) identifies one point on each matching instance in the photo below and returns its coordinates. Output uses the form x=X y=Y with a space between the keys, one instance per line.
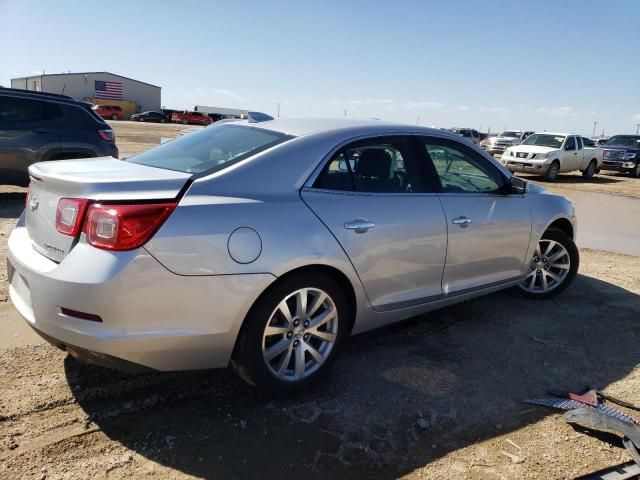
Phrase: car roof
x=299 y=127
x=564 y=134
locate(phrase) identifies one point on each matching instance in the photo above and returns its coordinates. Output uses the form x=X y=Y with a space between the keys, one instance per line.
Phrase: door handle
x=360 y=226
x=462 y=221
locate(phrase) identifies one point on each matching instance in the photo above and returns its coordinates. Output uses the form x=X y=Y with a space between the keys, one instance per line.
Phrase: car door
x=489 y=229
x=581 y=154
x=372 y=195
x=28 y=134
x=570 y=155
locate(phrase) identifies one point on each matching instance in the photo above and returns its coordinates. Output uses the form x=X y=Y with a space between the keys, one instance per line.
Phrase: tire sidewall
x=248 y=358
x=574 y=256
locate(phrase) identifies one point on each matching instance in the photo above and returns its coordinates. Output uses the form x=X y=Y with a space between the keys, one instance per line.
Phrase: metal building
x=96 y=87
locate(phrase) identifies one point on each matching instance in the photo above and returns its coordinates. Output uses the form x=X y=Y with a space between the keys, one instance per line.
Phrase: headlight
x=540 y=156
x=629 y=155
x=507 y=153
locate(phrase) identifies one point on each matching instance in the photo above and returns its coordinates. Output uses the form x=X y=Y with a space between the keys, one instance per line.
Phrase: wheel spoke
x=283 y=307
x=563 y=266
x=276 y=349
x=545 y=285
x=537 y=252
x=275 y=330
x=549 y=248
x=315 y=305
x=317 y=356
x=327 y=336
x=559 y=254
x=532 y=283
x=323 y=318
x=282 y=368
x=555 y=277
x=301 y=303
x=299 y=361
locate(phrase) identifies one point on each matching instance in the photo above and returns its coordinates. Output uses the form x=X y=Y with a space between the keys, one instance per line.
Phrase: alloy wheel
x=548 y=268
x=300 y=334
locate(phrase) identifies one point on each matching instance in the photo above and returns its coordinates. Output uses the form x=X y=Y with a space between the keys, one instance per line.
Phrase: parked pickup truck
x=193 y=118
x=622 y=153
x=506 y=139
x=549 y=153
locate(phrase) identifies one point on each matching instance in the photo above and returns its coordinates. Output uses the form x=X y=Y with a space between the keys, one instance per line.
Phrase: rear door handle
x=462 y=221
x=360 y=226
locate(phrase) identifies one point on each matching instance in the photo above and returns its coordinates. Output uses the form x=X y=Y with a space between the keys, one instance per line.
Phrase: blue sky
x=554 y=65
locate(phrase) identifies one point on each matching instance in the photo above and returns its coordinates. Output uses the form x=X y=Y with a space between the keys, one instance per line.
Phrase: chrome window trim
x=308 y=184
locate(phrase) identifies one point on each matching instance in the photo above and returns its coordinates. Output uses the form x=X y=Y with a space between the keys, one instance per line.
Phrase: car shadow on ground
x=465 y=370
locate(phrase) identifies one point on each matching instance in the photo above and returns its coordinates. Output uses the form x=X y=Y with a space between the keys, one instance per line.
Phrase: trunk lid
x=104 y=179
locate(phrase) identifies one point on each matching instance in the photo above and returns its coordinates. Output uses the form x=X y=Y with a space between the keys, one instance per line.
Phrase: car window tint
x=336 y=174
x=461 y=171
x=19 y=111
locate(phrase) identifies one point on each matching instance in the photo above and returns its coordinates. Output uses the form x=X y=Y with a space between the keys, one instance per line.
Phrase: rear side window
x=77 y=118
x=210 y=149
x=377 y=165
x=579 y=140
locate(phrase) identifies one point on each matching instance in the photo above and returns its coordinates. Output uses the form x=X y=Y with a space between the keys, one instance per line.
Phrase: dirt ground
x=439 y=396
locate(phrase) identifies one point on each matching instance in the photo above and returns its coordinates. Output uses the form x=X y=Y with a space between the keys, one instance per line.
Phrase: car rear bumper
x=151 y=317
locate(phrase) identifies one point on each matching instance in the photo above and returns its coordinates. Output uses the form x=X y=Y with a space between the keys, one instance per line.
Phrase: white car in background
x=549 y=154
x=506 y=139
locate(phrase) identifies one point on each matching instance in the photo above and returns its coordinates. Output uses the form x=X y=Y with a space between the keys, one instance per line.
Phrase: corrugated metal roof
x=64 y=74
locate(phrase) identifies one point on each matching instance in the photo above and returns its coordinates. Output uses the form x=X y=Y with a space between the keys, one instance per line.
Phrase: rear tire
x=636 y=171
x=590 y=171
x=114 y=117
x=553 y=267
x=292 y=334
x=552 y=174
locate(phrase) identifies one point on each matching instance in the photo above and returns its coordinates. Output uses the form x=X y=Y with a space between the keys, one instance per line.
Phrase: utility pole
x=637 y=128
x=593 y=134
x=345 y=114
x=418 y=120
x=278 y=109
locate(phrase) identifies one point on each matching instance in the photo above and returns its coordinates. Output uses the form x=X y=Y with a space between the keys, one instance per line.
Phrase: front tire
x=636 y=171
x=114 y=117
x=552 y=174
x=292 y=334
x=553 y=267
x=590 y=171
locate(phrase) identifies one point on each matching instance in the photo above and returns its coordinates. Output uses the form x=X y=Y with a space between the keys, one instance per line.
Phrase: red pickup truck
x=193 y=118
x=109 y=112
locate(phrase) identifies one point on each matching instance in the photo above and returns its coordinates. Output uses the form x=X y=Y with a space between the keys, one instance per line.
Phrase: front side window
x=460 y=170
x=571 y=144
x=377 y=165
x=210 y=149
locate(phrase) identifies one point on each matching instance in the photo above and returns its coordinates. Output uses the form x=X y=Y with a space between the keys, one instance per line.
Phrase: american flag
x=111 y=90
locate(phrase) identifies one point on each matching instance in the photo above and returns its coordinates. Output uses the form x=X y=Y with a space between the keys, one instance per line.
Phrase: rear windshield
x=210 y=149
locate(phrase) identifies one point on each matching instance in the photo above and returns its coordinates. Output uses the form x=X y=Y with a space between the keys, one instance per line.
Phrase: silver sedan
x=265 y=243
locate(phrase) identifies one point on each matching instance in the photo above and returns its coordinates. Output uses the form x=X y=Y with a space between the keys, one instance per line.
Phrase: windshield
x=211 y=148
x=510 y=134
x=544 y=140
x=624 y=141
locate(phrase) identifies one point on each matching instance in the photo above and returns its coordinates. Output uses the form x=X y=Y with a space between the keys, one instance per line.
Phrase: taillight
x=106 y=134
x=69 y=215
x=124 y=227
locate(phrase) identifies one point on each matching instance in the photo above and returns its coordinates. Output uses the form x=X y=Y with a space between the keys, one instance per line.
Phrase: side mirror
x=518 y=185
